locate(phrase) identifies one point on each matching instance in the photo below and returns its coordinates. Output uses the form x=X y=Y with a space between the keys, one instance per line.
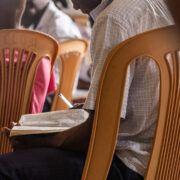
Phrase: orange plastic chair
x=17 y=75
x=164 y=161
x=70 y=57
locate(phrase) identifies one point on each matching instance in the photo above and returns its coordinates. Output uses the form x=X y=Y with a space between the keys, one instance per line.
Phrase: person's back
x=117 y=22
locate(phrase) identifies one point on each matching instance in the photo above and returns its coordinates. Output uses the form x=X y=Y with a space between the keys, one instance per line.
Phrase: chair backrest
x=20 y=53
x=165 y=155
x=70 y=57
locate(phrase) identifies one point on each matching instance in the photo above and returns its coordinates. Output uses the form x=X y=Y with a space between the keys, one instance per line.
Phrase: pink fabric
x=44 y=83
x=52 y=83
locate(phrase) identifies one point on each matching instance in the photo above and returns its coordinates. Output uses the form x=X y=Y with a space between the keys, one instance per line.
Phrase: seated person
x=43 y=83
x=115 y=21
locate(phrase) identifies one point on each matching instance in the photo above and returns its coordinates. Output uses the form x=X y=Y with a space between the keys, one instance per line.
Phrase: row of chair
x=165 y=155
x=21 y=51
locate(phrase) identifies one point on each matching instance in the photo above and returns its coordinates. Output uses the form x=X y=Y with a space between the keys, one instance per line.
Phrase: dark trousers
x=54 y=164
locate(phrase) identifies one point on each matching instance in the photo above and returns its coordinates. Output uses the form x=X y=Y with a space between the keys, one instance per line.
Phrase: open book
x=49 y=122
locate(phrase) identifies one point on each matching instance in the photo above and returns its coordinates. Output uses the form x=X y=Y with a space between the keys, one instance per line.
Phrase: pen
x=65 y=100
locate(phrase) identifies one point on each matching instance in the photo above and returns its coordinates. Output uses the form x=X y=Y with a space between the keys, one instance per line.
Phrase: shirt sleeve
x=104 y=39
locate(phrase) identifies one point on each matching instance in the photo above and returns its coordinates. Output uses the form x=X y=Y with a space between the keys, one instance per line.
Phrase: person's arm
x=76 y=138
x=174 y=6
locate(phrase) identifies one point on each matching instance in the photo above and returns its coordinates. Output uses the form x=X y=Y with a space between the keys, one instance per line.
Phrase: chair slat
x=167 y=147
x=17 y=74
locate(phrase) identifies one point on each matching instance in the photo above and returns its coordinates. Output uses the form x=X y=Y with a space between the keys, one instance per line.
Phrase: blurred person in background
x=43 y=83
x=85 y=29
x=44 y=16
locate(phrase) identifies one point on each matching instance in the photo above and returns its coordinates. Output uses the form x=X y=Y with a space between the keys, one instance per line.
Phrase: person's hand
x=77 y=106
x=30 y=141
x=6 y=131
x=17 y=142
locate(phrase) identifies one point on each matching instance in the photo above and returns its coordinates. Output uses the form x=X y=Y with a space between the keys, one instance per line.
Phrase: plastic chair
x=17 y=73
x=165 y=155
x=70 y=57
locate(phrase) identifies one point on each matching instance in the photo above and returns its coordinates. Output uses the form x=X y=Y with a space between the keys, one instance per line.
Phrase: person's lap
x=42 y=163
x=52 y=164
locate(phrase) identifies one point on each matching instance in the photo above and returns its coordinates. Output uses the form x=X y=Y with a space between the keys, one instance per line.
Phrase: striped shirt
x=116 y=21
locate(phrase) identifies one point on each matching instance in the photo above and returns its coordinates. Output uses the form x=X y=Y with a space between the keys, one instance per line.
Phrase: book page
x=55 y=121
x=25 y=130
